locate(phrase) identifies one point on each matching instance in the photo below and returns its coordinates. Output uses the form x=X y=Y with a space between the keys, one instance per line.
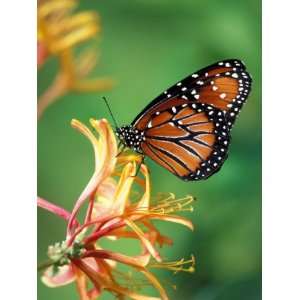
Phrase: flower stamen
x=176 y=266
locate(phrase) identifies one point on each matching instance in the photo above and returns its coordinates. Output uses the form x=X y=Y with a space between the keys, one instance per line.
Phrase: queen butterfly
x=186 y=129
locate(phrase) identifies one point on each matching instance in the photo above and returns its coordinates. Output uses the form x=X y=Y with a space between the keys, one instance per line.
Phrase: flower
x=114 y=212
x=60 y=31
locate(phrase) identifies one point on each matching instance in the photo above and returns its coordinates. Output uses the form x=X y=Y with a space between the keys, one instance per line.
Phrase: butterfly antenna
x=110 y=112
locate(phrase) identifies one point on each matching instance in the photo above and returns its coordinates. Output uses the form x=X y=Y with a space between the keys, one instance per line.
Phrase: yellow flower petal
x=144 y=203
x=60 y=6
x=155 y=283
x=74 y=21
x=75 y=37
x=124 y=188
x=92 y=85
x=165 y=217
x=144 y=239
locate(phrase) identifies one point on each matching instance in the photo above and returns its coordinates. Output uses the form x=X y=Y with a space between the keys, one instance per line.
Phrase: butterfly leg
x=139 y=166
x=121 y=149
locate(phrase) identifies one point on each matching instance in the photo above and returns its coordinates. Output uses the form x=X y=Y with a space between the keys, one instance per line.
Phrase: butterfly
x=187 y=128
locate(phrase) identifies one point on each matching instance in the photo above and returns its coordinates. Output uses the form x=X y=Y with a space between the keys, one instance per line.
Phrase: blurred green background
x=146 y=46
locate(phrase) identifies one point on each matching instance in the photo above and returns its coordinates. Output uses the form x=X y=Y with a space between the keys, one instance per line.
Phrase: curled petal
x=147 y=243
x=87 y=133
x=105 y=149
x=100 y=281
x=124 y=187
x=64 y=276
x=145 y=256
x=75 y=36
x=104 y=198
x=144 y=203
x=110 y=148
x=164 y=217
x=51 y=7
x=155 y=283
x=107 y=189
x=160 y=239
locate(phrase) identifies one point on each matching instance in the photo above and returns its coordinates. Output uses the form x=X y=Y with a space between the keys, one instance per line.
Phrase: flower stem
x=45 y=264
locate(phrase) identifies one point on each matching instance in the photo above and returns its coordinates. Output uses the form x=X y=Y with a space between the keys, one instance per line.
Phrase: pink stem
x=97 y=234
x=104 y=254
x=90 y=208
x=89 y=189
x=57 y=210
x=101 y=220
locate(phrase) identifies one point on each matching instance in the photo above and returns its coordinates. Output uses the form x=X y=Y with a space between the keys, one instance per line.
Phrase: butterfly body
x=187 y=128
x=131 y=137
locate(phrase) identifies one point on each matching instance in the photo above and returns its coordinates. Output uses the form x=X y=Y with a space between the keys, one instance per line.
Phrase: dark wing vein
x=175 y=158
x=160 y=159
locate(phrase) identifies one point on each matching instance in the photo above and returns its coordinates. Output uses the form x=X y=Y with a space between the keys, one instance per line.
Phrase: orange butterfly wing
x=187 y=127
x=191 y=141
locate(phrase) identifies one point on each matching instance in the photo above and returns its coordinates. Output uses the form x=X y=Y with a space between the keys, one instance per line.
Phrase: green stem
x=45 y=265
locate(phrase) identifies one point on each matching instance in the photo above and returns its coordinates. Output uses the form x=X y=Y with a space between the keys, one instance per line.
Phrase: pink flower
x=113 y=214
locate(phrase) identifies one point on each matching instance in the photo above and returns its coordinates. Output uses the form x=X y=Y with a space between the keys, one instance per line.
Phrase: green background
x=146 y=46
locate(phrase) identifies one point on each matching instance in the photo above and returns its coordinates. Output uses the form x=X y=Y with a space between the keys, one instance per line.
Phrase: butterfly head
x=130 y=137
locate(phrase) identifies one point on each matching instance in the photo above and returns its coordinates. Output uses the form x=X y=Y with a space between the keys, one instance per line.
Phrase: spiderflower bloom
x=114 y=212
x=60 y=31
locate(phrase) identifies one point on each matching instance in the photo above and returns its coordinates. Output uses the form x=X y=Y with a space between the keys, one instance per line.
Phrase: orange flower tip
x=97 y=123
x=191 y=226
x=75 y=123
x=93 y=122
